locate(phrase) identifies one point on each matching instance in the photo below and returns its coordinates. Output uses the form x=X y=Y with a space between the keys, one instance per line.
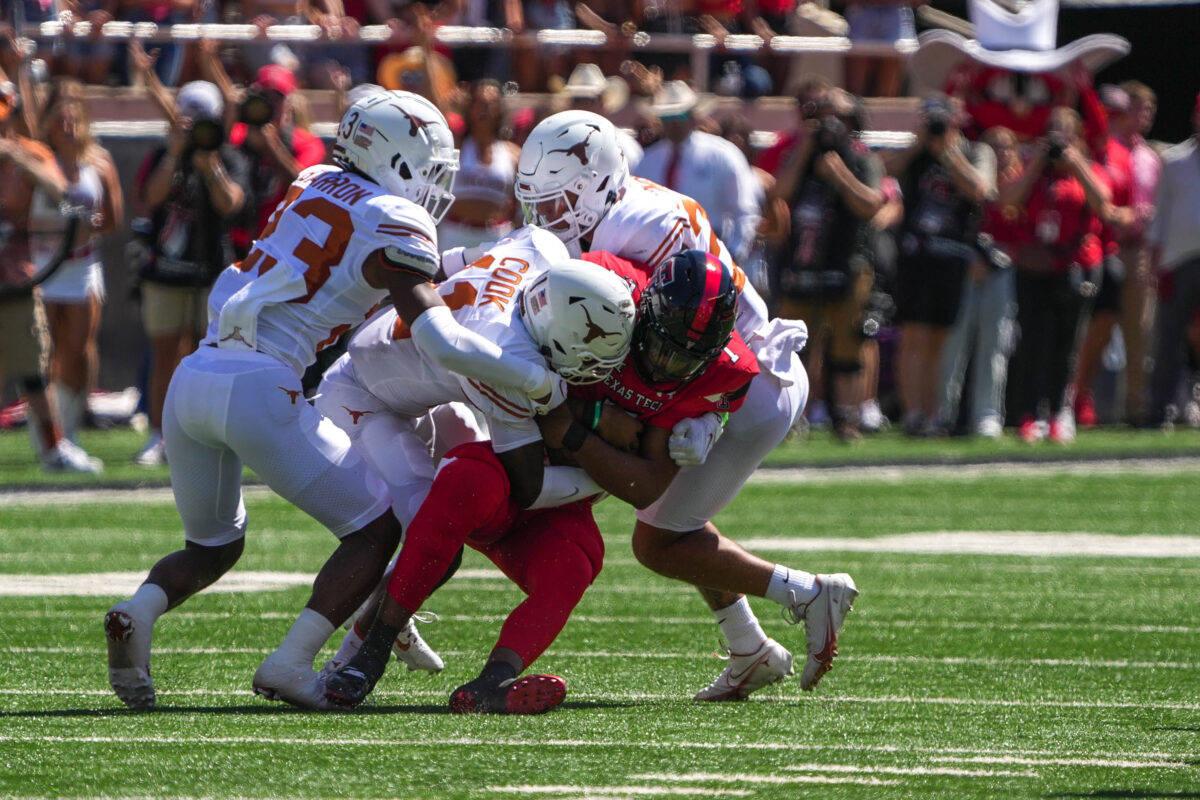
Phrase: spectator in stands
x=339 y=48
x=704 y=167
x=1141 y=286
x=192 y=189
x=168 y=65
x=484 y=202
x=73 y=294
x=534 y=64
x=1175 y=235
x=589 y=90
x=676 y=17
x=878 y=22
x=808 y=94
x=983 y=331
x=740 y=75
x=945 y=180
x=1120 y=222
x=1064 y=196
x=261 y=122
x=880 y=310
x=821 y=208
x=27 y=166
x=89 y=59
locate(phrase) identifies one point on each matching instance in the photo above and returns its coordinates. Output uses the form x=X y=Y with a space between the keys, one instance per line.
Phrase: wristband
x=597 y=411
x=575 y=437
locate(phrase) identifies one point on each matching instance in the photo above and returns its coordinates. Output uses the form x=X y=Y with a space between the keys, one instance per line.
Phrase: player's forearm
x=463 y=351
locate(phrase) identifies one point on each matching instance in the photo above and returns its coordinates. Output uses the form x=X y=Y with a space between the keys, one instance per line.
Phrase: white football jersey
x=650 y=223
x=483 y=298
x=301 y=287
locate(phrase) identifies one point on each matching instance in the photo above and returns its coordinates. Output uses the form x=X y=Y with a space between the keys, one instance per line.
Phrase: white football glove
x=550 y=394
x=692 y=439
x=456 y=259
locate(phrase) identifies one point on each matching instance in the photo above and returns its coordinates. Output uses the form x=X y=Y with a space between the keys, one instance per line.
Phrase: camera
x=206 y=134
x=1056 y=145
x=256 y=110
x=937 y=122
x=831 y=133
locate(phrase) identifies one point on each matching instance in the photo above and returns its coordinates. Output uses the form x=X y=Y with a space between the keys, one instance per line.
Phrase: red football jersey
x=719 y=388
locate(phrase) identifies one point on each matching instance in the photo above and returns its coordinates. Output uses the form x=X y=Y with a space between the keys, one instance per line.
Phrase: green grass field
x=975 y=665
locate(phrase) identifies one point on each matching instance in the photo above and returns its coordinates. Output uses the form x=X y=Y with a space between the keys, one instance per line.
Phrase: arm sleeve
x=463 y=351
x=561 y=485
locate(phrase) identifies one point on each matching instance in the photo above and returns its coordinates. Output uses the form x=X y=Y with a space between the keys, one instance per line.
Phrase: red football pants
x=552 y=554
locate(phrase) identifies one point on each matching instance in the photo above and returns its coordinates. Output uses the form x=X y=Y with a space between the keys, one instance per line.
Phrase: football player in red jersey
x=554 y=554
x=591 y=203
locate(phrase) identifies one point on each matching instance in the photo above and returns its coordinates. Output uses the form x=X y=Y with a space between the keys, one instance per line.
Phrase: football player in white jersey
x=344 y=238
x=572 y=180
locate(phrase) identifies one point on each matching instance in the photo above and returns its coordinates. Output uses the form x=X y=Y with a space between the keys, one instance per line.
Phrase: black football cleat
x=348 y=686
x=529 y=694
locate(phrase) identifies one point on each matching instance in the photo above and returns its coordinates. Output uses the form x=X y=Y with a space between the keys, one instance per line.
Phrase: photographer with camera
x=190 y=190
x=821 y=209
x=945 y=180
x=262 y=126
x=1063 y=197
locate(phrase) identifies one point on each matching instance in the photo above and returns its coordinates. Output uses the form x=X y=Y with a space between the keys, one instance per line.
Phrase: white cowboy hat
x=675 y=98
x=1022 y=42
x=588 y=81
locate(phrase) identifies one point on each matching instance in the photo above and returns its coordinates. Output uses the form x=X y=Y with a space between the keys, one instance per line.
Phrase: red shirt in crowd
x=1059 y=220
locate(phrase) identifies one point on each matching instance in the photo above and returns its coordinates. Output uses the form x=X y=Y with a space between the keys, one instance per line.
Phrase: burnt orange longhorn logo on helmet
x=594 y=331
x=579 y=149
x=415 y=124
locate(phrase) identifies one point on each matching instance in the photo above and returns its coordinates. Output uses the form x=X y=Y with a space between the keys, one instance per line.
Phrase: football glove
x=692 y=439
x=550 y=394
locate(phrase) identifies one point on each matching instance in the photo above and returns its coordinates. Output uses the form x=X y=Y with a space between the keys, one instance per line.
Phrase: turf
x=960 y=676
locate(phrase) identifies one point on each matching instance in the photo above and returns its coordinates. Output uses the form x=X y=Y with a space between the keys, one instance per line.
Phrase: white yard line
x=767 y=475
x=1153 y=760
x=863 y=620
x=717 y=777
x=410 y=694
x=593 y=655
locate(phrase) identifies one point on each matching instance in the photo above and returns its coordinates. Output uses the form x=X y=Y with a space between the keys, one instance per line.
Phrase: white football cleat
x=66 y=456
x=749 y=672
x=823 y=618
x=129 y=657
x=411 y=650
x=295 y=684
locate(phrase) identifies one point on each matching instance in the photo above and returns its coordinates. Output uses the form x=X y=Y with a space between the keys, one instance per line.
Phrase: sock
x=786 y=580
x=309 y=633
x=372 y=657
x=71 y=405
x=740 y=627
x=48 y=434
x=350 y=645
x=148 y=603
x=497 y=672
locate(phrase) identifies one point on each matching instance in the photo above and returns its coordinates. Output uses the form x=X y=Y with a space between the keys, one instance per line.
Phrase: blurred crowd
x=974 y=280
x=337 y=56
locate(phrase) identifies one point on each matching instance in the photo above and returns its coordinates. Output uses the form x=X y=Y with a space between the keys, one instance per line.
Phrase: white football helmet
x=402 y=142
x=581 y=315
x=570 y=173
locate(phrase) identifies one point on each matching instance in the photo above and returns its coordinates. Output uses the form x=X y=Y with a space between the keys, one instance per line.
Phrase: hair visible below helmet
x=581 y=315
x=401 y=141
x=685 y=318
x=570 y=173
